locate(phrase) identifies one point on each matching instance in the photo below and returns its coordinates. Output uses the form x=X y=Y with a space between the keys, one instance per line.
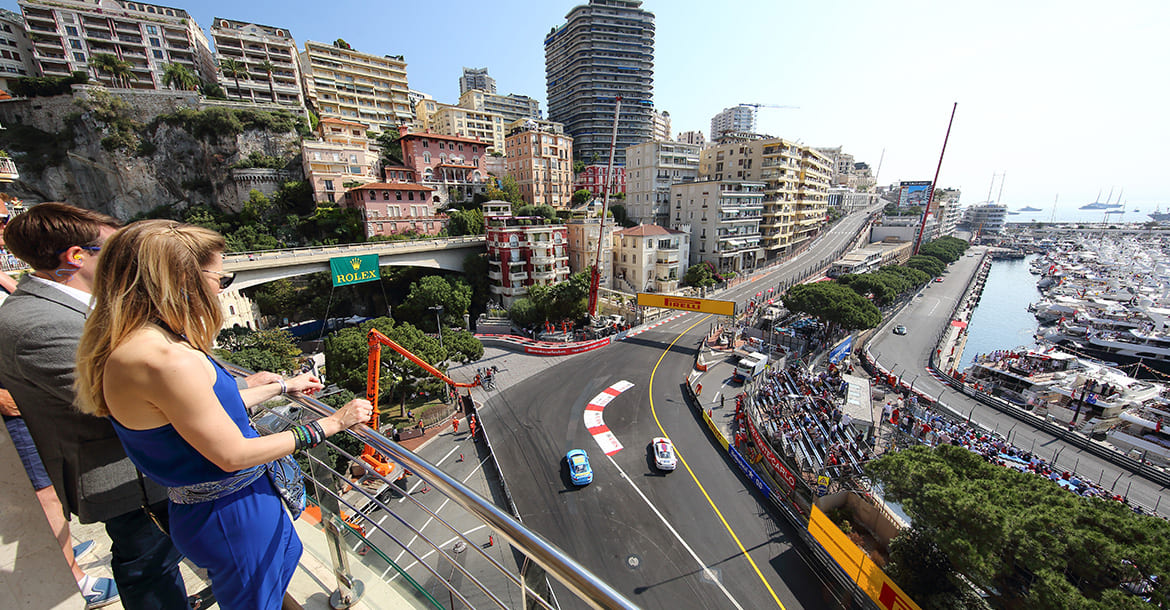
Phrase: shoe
x=98 y=592
x=82 y=549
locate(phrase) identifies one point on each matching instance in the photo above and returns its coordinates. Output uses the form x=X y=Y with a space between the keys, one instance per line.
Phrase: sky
x=1058 y=103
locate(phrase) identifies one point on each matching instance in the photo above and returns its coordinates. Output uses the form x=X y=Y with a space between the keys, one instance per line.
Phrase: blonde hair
x=150 y=270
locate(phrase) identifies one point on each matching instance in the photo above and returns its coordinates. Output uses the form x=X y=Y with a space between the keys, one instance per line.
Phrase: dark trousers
x=145 y=562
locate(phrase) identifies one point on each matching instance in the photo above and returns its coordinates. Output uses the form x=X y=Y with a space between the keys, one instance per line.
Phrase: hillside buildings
x=523 y=252
x=603 y=50
x=396 y=208
x=269 y=58
x=725 y=217
x=592 y=179
x=453 y=166
x=476 y=78
x=692 y=137
x=540 y=158
x=650 y=258
x=796 y=183
x=661 y=126
x=66 y=34
x=461 y=122
x=737 y=119
x=511 y=107
x=651 y=168
x=346 y=84
x=16 y=52
x=584 y=229
x=337 y=160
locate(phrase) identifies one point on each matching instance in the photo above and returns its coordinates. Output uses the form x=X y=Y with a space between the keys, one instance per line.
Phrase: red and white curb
x=654 y=325
x=596 y=424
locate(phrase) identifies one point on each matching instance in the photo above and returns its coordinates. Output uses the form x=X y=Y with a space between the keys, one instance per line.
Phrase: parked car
x=579 y=470
x=899 y=330
x=938 y=279
x=664 y=457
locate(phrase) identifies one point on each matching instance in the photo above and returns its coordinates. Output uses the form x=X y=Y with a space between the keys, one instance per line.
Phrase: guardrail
x=344 y=525
x=358 y=247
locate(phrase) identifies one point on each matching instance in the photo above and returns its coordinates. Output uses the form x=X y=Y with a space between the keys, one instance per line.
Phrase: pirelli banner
x=721 y=308
x=857 y=564
x=348 y=270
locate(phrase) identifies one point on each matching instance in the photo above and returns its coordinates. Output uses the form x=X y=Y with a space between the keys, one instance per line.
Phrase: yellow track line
x=654 y=413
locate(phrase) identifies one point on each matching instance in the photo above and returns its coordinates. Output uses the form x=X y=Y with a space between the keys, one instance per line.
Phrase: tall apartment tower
x=603 y=50
x=741 y=118
x=269 y=54
x=67 y=34
x=476 y=78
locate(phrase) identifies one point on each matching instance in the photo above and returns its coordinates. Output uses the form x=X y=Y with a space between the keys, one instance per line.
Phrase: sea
x=1001 y=320
x=1133 y=214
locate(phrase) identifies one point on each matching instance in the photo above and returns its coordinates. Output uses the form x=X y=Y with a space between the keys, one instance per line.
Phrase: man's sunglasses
x=225 y=279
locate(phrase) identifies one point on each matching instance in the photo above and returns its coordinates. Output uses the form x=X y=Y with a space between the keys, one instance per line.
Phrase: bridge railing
x=380 y=553
x=366 y=247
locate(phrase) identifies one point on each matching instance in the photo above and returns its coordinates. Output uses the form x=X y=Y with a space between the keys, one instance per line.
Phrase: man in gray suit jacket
x=40 y=325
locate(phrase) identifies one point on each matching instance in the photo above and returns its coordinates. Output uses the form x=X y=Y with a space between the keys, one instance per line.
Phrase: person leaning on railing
x=144 y=362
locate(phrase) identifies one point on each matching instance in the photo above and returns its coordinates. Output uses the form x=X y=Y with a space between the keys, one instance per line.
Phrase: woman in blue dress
x=144 y=361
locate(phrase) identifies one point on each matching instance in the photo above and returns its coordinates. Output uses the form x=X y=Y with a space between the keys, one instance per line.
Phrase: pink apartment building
x=340 y=156
x=523 y=252
x=540 y=159
x=592 y=179
x=453 y=166
x=395 y=208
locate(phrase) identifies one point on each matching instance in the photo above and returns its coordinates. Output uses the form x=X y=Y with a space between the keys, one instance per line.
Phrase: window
x=70 y=30
x=76 y=44
x=385 y=195
x=410 y=195
x=329 y=187
x=150 y=29
x=158 y=54
x=442 y=145
x=79 y=56
x=427 y=159
x=398 y=195
x=155 y=43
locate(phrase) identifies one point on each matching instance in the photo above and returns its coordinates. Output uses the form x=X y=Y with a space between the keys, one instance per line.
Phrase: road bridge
x=255 y=268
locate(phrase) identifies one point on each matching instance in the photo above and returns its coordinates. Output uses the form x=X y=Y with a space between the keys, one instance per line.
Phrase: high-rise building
x=540 y=159
x=268 y=55
x=661 y=127
x=476 y=78
x=737 y=119
x=16 y=52
x=460 y=121
x=344 y=83
x=605 y=49
x=651 y=168
x=67 y=34
x=512 y=107
x=796 y=184
x=724 y=219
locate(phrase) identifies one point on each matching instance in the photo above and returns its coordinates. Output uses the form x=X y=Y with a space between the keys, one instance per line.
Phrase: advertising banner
x=722 y=308
x=914 y=194
x=348 y=270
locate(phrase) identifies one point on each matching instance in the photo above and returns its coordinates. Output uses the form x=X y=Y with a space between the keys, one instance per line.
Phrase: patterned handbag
x=285 y=474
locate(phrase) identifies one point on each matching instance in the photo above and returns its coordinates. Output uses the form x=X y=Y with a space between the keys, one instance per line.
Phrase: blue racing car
x=579 y=470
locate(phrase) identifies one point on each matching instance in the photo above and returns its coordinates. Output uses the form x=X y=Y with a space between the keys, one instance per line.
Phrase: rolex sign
x=354 y=269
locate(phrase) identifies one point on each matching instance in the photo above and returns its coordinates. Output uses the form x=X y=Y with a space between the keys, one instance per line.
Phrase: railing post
x=349 y=590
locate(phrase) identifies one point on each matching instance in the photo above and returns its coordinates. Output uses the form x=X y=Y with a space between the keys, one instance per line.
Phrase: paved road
x=907 y=356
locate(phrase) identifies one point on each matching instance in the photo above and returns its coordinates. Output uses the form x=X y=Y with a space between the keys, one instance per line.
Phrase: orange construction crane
x=374 y=460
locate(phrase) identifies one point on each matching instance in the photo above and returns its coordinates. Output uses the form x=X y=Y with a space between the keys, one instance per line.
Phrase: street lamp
x=438 y=309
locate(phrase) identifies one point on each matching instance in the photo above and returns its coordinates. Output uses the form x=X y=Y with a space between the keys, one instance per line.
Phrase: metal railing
x=410 y=567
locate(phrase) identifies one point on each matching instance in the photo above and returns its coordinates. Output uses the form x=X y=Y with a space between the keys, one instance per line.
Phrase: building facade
x=661 y=128
x=476 y=78
x=692 y=137
x=725 y=218
x=269 y=56
x=651 y=168
x=584 y=229
x=523 y=252
x=353 y=86
x=592 y=179
x=337 y=160
x=605 y=49
x=66 y=34
x=540 y=159
x=796 y=180
x=459 y=121
x=17 y=59
x=986 y=218
x=453 y=166
x=512 y=107
x=650 y=258
x=737 y=119
x=396 y=209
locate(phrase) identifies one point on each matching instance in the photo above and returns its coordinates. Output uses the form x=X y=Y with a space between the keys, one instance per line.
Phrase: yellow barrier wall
x=857 y=564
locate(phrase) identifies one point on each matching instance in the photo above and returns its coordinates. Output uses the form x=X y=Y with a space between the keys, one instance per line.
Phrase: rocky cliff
x=122 y=156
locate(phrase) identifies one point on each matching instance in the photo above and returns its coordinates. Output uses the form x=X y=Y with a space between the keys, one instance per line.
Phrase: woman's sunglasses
x=225 y=279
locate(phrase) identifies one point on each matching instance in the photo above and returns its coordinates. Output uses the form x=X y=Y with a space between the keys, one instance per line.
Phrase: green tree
x=581 y=196
x=833 y=303
x=267 y=67
x=390 y=147
x=434 y=290
x=475 y=272
x=1021 y=538
x=341 y=44
x=505 y=189
x=212 y=90
x=927 y=264
x=621 y=216
x=525 y=313
x=465 y=222
x=264 y=350
x=578 y=167
x=277 y=298
x=178 y=76
x=545 y=211
x=462 y=346
x=233 y=68
x=346 y=355
x=699 y=276
x=121 y=72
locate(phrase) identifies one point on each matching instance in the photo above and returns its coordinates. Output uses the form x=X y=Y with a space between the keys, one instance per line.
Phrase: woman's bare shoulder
x=151 y=353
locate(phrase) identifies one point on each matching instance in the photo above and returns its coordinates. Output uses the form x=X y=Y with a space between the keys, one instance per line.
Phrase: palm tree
x=266 y=66
x=120 y=71
x=178 y=76
x=234 y=69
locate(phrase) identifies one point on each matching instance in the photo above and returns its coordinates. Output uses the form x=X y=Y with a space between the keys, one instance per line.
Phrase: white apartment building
x=583 y=231
x=651 y=167
x=692 y=137
x=724 y=218
x=354 y=86
x=986 y=218
x=737 y=119
x=650 y=258
x=660 y=127
x=451 y=120
x=269 y=55
x=66 y=34
x=512 y=107
x=16 y=52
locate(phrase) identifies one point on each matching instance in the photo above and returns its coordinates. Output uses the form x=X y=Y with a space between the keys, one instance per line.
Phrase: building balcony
x=8 y=171
x=549 y=275
x=495 y=276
